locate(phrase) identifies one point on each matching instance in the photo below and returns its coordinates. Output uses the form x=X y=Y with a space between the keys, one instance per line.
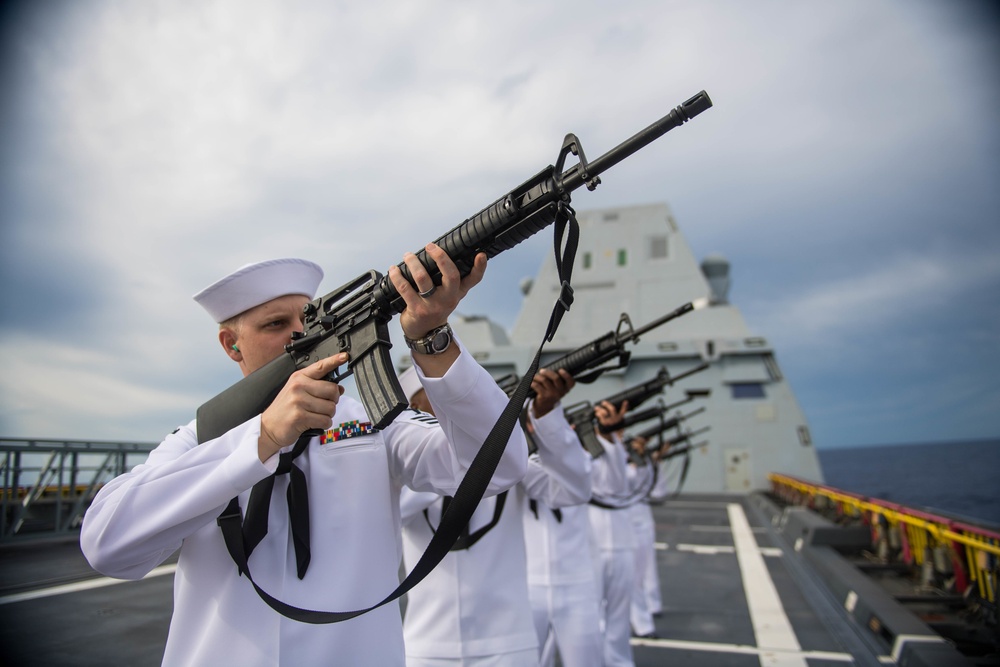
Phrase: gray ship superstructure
x=634 y=260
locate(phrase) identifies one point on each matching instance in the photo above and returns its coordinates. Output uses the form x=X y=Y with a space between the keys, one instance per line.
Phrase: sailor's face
x=267 y=328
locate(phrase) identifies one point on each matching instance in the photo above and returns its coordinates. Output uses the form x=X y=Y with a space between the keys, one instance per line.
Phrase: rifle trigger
x=337 y=376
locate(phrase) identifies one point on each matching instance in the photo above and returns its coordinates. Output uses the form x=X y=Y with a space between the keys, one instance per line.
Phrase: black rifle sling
x=467 y=539
x=533 y=506
x=472 y=487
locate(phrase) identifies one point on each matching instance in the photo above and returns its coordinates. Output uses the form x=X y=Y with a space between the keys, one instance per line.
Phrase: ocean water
x=960 y=479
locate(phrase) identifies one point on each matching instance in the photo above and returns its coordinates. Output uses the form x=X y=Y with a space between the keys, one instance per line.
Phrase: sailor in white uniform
x=474 y=609
x=640 y=516
x=651 y=577
x=560 y=569
x=646 y=600
x=613 y=540
x=353 y=475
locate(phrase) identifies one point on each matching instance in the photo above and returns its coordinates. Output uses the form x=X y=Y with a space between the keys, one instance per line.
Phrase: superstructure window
x=622 y=257
x=588 y=260
x=742 y=390
x=658 y=247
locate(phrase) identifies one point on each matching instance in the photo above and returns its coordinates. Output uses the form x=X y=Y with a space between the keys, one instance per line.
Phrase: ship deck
x=735 y=591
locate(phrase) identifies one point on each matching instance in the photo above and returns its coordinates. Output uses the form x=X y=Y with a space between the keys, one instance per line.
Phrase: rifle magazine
x=381 y=394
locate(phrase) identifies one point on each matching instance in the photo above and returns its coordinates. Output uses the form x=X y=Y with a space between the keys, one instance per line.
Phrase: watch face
x=440 y=341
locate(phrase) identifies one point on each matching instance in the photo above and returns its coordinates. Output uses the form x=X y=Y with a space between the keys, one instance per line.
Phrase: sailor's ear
x=227 y=337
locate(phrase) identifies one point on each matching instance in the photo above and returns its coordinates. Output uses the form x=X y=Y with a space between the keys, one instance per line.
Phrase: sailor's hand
x=549 y=387
x=607 y=414
x=307 y=401
x=427 y=312
x=428 y=306
x=639 y=445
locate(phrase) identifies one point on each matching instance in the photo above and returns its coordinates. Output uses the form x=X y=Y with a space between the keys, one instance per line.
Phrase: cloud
x=65 y=390
x=846 y=169
x=904 y=295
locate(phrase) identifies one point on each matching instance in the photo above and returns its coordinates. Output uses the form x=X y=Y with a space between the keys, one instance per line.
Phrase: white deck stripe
x=713 y=647
x=723 y=549
x=706 y=549
x=99 y=582
x=771 y=627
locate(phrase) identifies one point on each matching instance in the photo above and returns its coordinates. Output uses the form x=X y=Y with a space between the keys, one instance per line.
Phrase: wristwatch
x=435 y=342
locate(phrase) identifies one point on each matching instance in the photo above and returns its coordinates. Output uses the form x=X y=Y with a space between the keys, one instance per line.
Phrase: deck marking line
x=723 y=549
x=714 y=647
x=771 y=626
x=704 y=549
x=661 y=546
x=720 y=529
x=98 y=582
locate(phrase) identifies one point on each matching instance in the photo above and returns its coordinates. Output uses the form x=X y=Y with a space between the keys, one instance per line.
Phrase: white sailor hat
x=410 y=383
x=254 y=284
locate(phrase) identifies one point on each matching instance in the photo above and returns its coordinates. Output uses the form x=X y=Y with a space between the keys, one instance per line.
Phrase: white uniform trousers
x=566 y=616
x=651 y=586
x=614 y=577
x=646 y=577
x=528 y=658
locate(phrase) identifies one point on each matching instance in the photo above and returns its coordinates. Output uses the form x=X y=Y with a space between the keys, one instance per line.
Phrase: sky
x=849 y=170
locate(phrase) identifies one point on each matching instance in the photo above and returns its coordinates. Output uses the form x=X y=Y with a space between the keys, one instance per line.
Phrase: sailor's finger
x=450 y=277
x=324 y=367
x=422 y=280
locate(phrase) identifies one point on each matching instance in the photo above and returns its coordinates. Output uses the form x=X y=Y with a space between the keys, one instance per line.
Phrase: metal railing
x=48 y=484
x=968 y=552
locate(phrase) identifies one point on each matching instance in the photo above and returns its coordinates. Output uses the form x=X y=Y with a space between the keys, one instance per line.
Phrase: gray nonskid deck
x=55 y=610
x=712 y=615
x=716 y=610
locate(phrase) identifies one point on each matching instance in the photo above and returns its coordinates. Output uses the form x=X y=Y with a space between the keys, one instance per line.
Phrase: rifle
x=652 y=413
x=354 y=318
x=639 y=458
x=684 y=450
x=633 y=418
x=591 y=356
x=581 y=415
x=657 y=431
x=581 y=418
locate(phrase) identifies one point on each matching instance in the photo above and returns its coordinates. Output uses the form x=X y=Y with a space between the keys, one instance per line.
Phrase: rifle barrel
x=686 y=308
x=678 y=116
x=532 y=206
x=697 y=369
